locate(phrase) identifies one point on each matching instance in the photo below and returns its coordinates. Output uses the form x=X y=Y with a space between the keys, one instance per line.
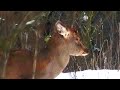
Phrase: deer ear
x=61 y=29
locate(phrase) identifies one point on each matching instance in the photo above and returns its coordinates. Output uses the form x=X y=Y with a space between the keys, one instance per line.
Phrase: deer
x=52 y=60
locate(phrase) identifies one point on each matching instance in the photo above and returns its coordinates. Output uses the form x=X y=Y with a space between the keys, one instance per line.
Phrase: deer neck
x=54 y=59
x=58 y=50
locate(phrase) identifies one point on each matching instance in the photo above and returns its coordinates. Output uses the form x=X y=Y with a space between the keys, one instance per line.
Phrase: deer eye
x=77 y=39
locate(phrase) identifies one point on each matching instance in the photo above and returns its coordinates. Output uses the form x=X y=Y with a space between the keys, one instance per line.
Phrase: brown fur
x=51 y=61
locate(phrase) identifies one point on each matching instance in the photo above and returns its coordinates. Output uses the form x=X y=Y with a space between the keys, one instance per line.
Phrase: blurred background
x=99 y=31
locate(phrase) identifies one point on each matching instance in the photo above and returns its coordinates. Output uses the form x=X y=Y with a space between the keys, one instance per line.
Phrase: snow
x=91 y=74
x=3 y=19
x=16 y=24
x=30 y=22
x=85 y=17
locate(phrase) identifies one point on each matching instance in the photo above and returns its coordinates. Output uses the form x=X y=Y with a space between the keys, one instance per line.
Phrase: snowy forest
x=99 y=31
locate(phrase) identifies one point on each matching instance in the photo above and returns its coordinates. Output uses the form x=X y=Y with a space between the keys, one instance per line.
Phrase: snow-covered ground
x=91 y=74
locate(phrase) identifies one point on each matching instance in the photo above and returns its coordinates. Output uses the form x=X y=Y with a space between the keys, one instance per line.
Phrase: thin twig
x=35 y=56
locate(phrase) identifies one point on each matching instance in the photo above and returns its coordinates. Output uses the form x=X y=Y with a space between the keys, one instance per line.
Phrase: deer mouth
x=84 y=54
x=80 y=54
